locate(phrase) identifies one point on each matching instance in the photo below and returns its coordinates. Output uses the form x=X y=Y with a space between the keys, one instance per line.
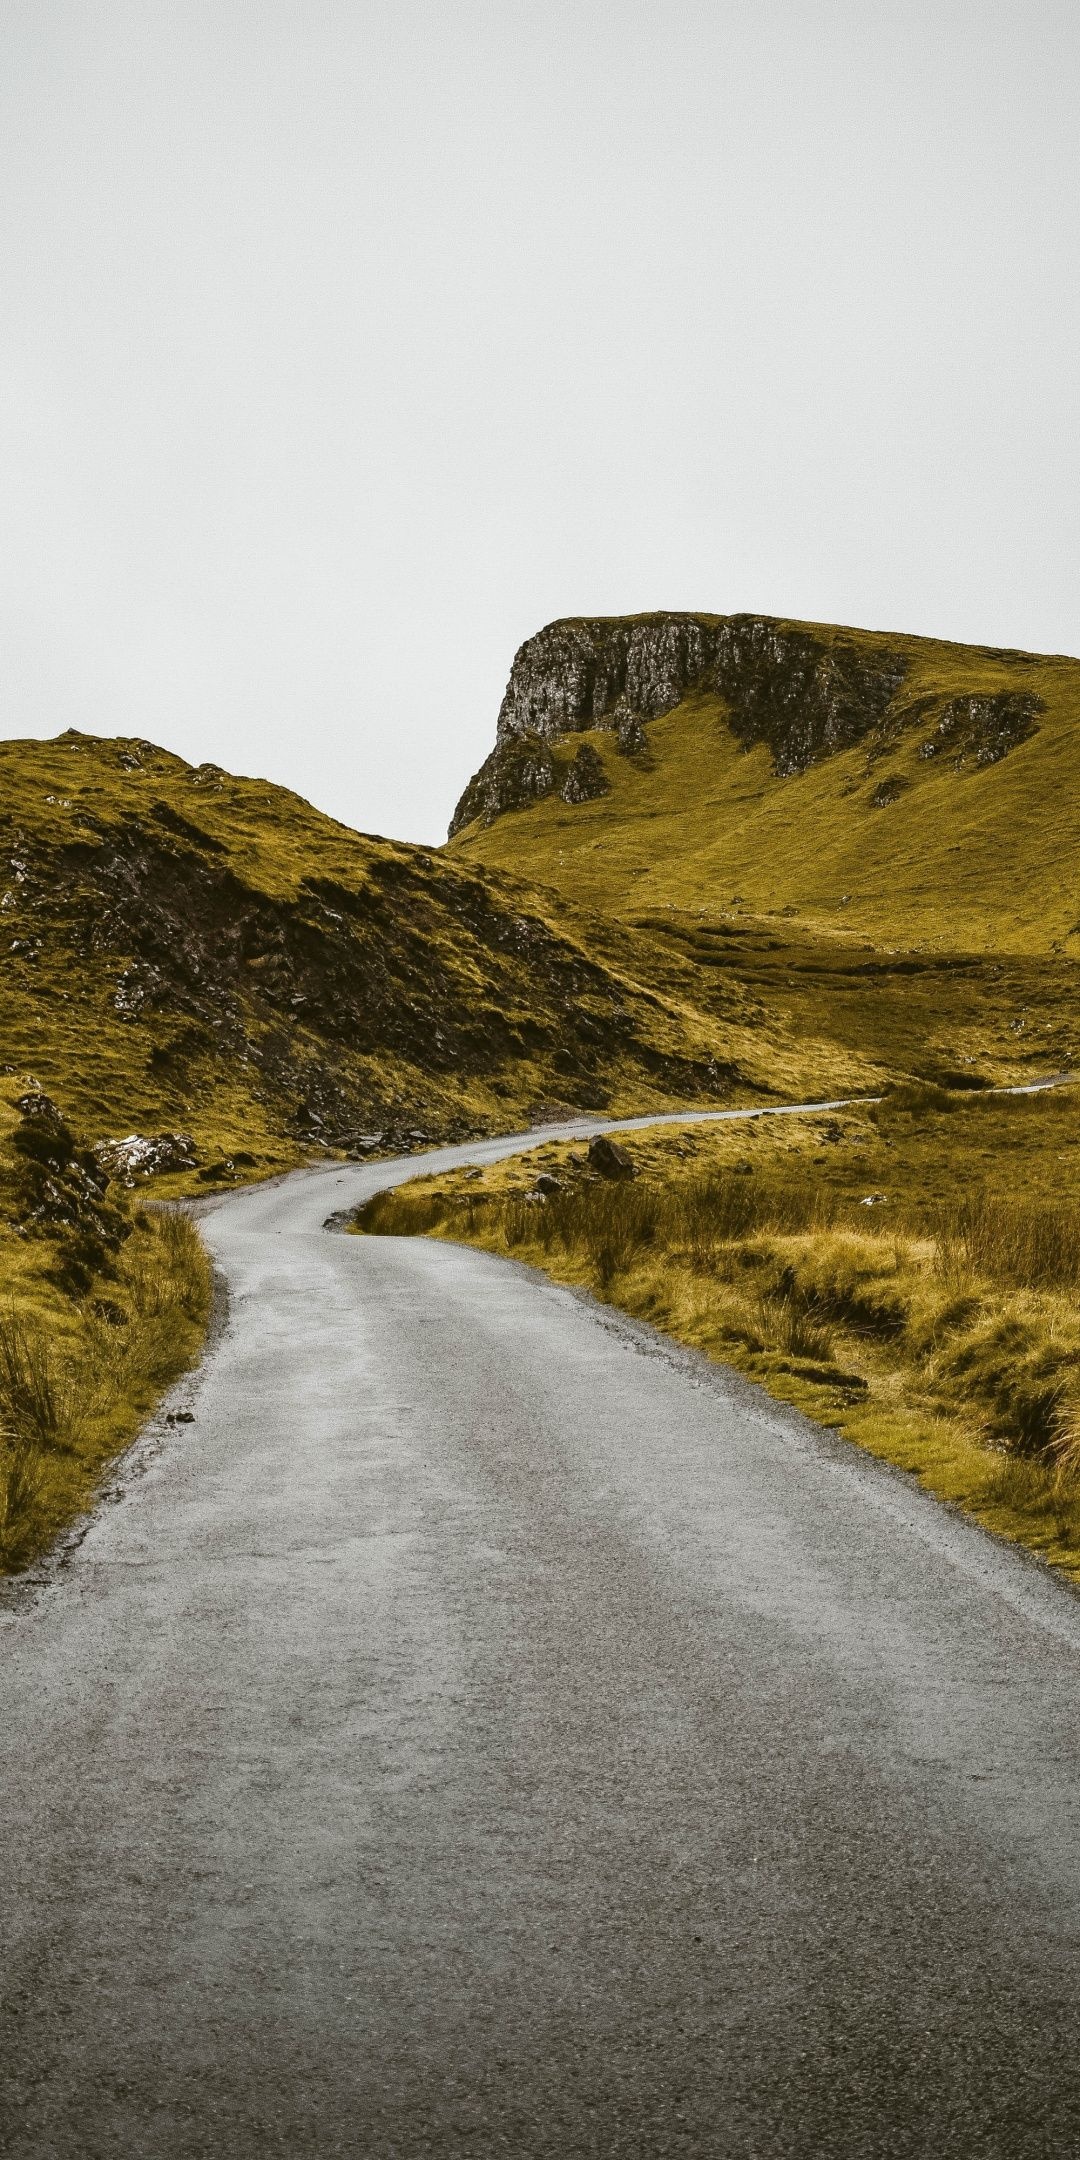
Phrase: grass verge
x=906 y=1274
x=79 y=1378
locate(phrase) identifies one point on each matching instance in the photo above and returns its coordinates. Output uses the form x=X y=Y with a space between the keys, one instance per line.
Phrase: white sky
x=345 y=343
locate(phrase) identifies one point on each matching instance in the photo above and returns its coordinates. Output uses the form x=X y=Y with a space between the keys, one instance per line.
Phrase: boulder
x=609 y=1159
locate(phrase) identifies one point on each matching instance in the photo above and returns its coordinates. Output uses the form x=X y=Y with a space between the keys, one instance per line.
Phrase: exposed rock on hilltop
x=572 y=674
x=871 y=784
x=805 y=692
x=800 y=695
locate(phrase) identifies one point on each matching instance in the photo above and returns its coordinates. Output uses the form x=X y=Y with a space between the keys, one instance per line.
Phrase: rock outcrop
x=145 y=1155
x=571 y=675
x=60 y=1191
x=982 y=730
x=804 y=692
x=585 y=779
x=801 y=694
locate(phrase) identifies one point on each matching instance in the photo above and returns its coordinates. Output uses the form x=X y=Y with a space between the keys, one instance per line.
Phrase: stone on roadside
x=144 y=1155
x=607 y=1157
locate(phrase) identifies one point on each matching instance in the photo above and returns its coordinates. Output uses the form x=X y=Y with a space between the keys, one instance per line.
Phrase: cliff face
x=803 y=695
x=571 y=675
x=802 y=690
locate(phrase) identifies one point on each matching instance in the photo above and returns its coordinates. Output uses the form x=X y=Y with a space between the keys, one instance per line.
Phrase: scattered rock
x=60 y=1190
x=136 y=989
x=889 y=791
x=144 y=1155
x=41 y=1114
x=609 y=1159
x=546 y=1185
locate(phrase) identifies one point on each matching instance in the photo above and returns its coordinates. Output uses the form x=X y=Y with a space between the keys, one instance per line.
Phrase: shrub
x=916 y=1098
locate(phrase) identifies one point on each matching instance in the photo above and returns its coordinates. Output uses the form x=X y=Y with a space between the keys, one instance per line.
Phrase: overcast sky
x=345 y=343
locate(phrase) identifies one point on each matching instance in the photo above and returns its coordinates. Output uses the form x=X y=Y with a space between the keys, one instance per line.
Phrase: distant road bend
x=487 y=1729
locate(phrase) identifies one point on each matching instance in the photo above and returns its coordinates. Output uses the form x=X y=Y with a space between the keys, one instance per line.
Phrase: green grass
x=937 y=1327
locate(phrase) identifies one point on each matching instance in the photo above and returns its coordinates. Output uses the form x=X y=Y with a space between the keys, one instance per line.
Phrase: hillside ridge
x=188 y=949
x=867 y=784
x=803 y=690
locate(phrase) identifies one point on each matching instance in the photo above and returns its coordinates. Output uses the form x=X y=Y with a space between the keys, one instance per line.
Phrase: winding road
x=486 y=1729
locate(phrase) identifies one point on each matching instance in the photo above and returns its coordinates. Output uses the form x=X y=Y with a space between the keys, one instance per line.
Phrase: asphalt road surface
x=486 y=1730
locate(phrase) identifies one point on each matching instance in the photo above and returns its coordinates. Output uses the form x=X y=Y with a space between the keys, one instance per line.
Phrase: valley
x=711 y=861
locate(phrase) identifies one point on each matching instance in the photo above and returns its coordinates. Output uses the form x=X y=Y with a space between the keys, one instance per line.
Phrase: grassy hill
x=186 y=948
x=877 y=838
x=205 y=980
x=878 y=834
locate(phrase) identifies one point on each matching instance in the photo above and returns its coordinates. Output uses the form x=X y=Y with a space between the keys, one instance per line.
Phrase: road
x=486 y=1729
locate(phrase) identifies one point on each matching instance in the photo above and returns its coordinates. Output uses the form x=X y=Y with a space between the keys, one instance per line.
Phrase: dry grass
x=1031 y=1244
x=75 y=1385
x=939 y=1328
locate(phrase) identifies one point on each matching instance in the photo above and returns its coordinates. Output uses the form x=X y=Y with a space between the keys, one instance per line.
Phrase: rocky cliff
x=803 y=691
